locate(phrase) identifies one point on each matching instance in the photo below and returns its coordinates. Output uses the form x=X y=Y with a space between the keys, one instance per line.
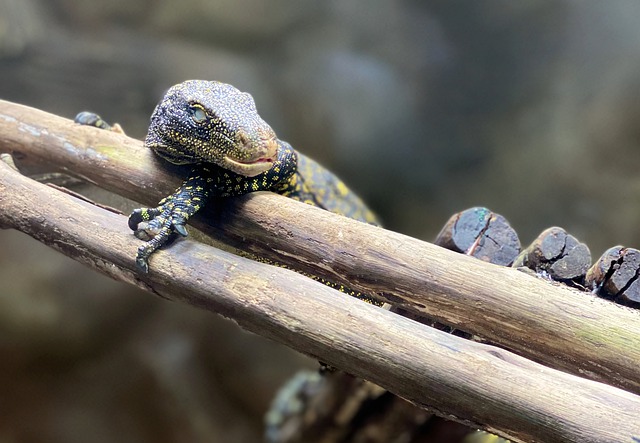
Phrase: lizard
x=216 y=128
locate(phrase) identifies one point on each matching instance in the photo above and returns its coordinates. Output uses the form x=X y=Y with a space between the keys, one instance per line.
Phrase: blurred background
x=425 y=108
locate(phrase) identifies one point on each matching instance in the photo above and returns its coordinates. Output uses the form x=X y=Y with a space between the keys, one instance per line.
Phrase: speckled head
x=204 y=121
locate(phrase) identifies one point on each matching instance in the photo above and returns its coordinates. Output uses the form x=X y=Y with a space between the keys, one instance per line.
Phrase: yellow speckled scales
x=318 y=186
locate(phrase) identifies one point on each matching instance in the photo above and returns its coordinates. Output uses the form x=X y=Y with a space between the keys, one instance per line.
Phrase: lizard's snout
x=254 y=155
x=263 y=146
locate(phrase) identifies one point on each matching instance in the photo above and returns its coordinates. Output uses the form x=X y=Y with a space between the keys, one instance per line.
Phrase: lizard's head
x=204 y=121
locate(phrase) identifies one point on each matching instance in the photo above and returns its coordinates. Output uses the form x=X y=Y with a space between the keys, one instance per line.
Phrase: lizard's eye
x=197 y=113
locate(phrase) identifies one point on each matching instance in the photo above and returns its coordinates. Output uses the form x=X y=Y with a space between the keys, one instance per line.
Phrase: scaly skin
x=216 y=128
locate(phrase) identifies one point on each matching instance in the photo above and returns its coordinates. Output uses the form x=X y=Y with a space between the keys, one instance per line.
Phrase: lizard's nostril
x=243 y=139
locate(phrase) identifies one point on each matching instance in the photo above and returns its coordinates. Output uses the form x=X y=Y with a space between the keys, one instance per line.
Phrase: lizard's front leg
x=156 y=226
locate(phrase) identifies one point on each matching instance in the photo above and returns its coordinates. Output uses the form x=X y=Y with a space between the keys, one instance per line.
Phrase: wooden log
x=482 y=234
x=615 y=276
x=561 y=327
x=474 y=383
x=556 y=254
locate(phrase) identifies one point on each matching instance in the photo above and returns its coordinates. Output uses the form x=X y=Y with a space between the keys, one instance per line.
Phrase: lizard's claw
x=156 y=227
x=180 y=229
x=142 y=262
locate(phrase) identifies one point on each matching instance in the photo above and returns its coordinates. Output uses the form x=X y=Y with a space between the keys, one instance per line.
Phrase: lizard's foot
x=92 y=119
x=156 y=227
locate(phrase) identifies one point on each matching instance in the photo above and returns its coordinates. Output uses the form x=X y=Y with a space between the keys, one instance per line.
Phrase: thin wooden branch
x=475 y=383
x=558 y=326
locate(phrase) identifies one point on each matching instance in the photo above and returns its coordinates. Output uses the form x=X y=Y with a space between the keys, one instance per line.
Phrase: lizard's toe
x=142 y=260
x=142 y=265
x=180 y=229
x=142 y=215
x=135 y=219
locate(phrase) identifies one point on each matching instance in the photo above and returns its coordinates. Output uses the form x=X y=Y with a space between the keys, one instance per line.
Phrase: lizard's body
x=216 y=128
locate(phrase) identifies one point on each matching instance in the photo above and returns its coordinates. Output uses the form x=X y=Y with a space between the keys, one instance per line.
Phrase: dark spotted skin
x=216 y=128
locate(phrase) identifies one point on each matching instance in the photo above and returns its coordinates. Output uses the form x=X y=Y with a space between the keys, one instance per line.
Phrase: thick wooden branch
x=475 y=383
x=561 y=327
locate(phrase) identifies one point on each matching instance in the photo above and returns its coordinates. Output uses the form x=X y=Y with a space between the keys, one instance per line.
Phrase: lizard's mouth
x=264 y=153
x=248 y=168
